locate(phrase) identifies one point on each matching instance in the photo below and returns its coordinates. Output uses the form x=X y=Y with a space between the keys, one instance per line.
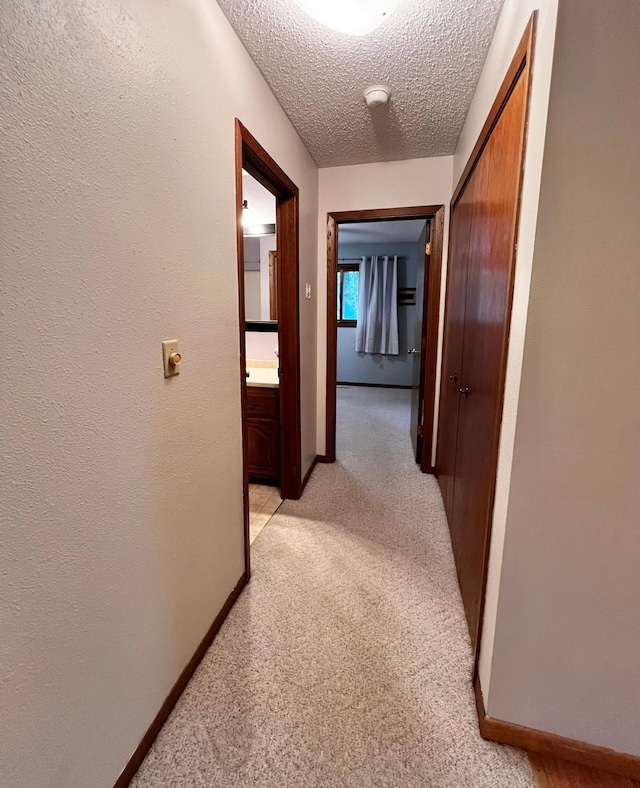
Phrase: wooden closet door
x=489 y=283
x=460 y=234
x=483 y=232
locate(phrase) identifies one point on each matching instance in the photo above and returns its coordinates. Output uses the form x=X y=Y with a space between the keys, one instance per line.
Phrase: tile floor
x=263 y=502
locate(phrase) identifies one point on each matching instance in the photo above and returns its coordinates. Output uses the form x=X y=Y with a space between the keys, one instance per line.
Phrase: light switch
x=307 y=291
x=171 y=357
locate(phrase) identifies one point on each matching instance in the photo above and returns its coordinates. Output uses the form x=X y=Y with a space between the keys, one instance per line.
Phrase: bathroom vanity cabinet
x=263 y=431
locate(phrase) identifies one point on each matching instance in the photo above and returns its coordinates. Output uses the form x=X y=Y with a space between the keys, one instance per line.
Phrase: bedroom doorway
x=383 y=295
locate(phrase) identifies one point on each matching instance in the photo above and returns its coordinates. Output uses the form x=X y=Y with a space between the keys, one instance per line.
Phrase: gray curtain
x=377 y=330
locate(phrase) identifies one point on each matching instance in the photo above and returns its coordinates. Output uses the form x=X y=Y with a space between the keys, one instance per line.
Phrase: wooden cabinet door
x=262 y=453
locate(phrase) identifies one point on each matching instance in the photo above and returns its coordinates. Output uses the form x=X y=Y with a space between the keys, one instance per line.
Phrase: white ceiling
x=396 y=231
x=429 y=53
x=262 y=204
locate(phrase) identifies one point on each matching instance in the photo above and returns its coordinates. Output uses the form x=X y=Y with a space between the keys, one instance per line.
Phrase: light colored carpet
x=346 y=661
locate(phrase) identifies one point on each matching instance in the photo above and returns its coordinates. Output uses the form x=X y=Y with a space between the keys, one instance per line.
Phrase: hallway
x=346 y=661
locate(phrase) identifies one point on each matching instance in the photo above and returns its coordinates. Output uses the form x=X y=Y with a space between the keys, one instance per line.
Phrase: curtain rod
x=359 y=259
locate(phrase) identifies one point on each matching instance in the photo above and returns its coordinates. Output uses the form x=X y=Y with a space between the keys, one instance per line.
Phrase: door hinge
x=420 y=430
x=428 y=248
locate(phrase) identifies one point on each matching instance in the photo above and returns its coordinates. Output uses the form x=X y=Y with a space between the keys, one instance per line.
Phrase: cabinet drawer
x=262 y=401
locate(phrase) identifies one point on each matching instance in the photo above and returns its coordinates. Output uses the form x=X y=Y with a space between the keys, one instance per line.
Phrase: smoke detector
x=376 y=95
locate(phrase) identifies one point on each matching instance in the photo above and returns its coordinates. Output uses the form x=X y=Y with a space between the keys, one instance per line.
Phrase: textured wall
x=513 y=20
x=363 y=367
x=567 y=648
x=121 y=510
x=384 y=185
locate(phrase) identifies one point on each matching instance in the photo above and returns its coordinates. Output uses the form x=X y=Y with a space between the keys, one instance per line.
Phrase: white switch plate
x=307 y=291
x=169 y=346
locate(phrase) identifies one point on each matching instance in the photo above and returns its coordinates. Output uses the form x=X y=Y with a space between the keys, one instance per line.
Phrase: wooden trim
x=521 y=66
x=415 y=212
x=257 y=162
x=534 y=740
x=430 y=332
x=289 y=348
x=332 y=337
x=243 y=351
x=521 y=60
x=344 y=217
x=251 y=156
x=373 y=385
x=178 y=688
x=307 y=475
x=273 y=285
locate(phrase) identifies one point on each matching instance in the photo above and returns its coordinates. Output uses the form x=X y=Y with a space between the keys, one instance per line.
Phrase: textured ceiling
x=429 y=53
x=399 y=231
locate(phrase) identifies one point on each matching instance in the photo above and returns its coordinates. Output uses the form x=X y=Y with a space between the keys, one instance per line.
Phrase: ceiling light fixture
x=353 y=17
x=248 y=217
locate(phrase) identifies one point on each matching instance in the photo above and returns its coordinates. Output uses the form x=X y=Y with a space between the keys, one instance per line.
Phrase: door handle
x=412 y=351
x=464 y=391
x=454 y=377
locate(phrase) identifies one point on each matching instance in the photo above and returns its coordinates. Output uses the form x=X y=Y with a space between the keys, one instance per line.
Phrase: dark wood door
x=452 y=353
x=487 y=311
x=483 y=235
x=417 y=355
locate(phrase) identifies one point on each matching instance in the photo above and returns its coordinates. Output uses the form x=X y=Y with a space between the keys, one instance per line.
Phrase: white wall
x=394 y=184
x=252 y=296
x=121 y=505
x=567 y=645
x=252 y=306
x=261 y=345
x=511 y=24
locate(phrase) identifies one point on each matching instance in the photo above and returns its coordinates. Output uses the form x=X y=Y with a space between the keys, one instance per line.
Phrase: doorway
x=270 y=391
x=419 y=346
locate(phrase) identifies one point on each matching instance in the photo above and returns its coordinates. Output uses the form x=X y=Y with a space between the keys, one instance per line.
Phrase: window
x=348 y=278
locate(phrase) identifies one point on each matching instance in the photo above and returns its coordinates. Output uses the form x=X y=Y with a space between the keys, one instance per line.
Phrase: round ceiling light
x=353 y=17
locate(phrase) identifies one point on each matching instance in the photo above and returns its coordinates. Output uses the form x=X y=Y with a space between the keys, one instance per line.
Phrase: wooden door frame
x=252 y=157
x=521 y=65
x=430 y=322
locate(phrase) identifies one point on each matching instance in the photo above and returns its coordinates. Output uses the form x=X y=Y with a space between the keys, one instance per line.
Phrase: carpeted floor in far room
x=346 y=662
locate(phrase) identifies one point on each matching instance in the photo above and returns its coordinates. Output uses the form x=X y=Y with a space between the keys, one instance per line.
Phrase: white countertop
x=263 y=374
